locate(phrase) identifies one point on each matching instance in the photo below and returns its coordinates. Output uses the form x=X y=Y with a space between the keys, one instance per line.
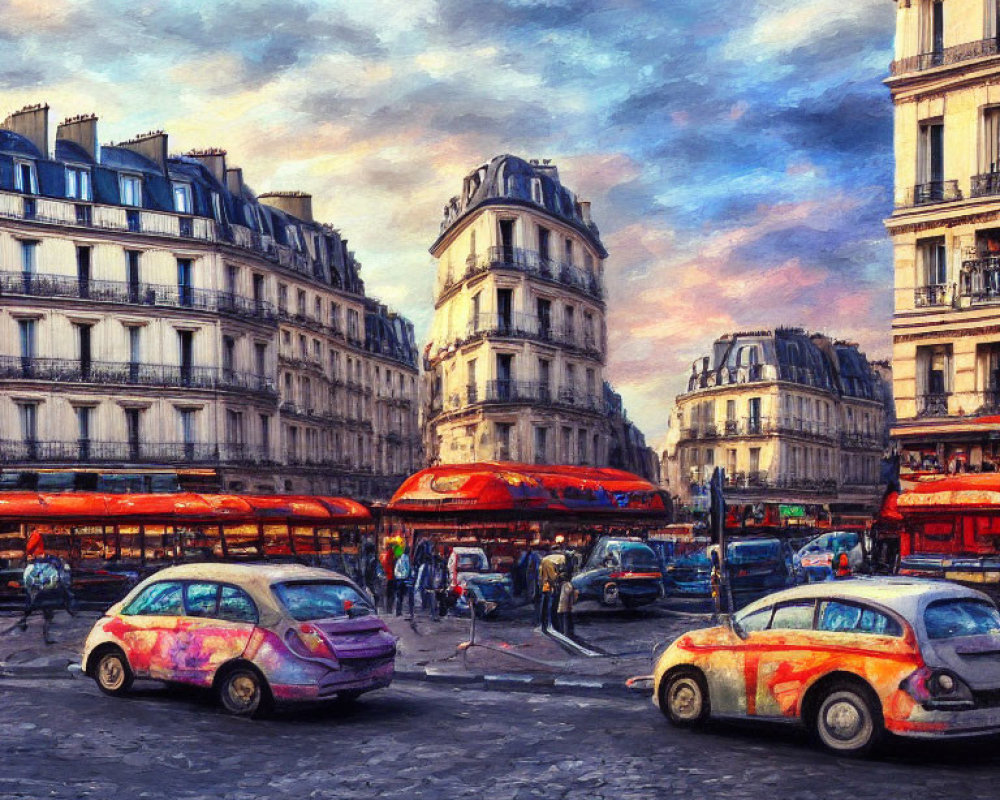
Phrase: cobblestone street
x=63 y=739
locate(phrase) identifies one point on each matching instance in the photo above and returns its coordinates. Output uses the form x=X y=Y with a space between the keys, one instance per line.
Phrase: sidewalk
x=508 y=653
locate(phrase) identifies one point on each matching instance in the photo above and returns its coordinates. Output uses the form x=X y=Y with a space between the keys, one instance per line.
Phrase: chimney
x=214 y=160
x=31 y=122
x=585 y=211
x=234 y=180
x=298 y=204
x=81 y=130
x=152 y=145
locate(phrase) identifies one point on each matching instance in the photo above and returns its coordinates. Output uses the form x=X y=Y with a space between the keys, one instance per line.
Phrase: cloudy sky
x=738 y=156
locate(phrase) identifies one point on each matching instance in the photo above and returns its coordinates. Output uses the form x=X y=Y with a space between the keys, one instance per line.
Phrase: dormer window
x=78 y=183
x=536 y=191
x=182 y=198
x=130 y=187
x=25 y=178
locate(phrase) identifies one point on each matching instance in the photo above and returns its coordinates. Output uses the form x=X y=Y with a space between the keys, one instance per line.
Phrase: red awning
x=501 y=486
x=953 y=491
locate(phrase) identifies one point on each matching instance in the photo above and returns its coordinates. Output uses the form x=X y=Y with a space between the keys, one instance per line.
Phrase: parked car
x=814 y=561
x=848 y=659
x=755 y=566
x=255 y=634
x=472 y=581
x=620 y=571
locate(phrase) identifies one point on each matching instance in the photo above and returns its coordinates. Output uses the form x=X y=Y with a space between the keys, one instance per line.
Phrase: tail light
x=307 y=640
x=937 y=688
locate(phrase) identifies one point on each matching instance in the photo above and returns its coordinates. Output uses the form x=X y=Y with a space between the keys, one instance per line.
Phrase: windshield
x=470 y=562
x=750 y=552
x=640 y=559
x=308 y=600
x=947 y=619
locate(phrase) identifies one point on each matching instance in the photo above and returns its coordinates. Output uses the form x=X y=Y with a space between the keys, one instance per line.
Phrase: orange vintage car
x=850 y=660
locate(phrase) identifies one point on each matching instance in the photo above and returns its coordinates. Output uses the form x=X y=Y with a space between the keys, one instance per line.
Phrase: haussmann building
x=515 y=361
x=162 y=327
x=945 y=228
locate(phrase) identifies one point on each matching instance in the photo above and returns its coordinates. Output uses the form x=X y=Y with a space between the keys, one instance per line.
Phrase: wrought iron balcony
x=67 y=370
x=533 y=263
x=980 y=279
x=933 y=404
x=933 y=192
x=944 y=57
x=94 y=451
x=933 y=295
x=143 y=294
x=528 y=326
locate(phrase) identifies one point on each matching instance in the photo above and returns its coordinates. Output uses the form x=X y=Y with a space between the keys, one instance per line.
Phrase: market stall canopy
x=953 y=491
x=188 y=507
x=535 y=488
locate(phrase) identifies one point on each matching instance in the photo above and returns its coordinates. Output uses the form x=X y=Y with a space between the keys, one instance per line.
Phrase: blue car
x=755 y=566
x=621 y=571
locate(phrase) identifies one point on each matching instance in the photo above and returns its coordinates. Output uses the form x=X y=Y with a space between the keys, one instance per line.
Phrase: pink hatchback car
x=255 y=634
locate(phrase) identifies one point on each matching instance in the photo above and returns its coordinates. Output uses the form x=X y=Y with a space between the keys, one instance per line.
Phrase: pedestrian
x=548 y=579
x=440 y=597
x=47 y=585
x=388 y=563
x=403 y=573
x=842 y=565
x=568 y=596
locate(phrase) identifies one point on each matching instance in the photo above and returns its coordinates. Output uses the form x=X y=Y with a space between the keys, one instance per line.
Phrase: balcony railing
x=860 y=441
x=933 y=192
x=985 y=185
x=980 y=279
x=533 y=263
x=143 y=294
x=96 y=451
x=66 y=370
x=934 y=295
x=945 y=57
x=933 y=404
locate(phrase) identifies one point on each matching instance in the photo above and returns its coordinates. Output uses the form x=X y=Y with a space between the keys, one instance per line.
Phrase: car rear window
x=640 y=559
x=751 y=552
x=851 y=618
x=948 y=619
x=309 y=600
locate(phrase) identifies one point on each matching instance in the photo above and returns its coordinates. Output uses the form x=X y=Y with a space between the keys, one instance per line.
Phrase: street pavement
x=64 y=739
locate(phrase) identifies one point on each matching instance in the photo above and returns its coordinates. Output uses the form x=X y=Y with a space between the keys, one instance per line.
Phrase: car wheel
x=112 y=673
x=610 y=594
x=242 y=692
x=848 y=720
x=684 y=698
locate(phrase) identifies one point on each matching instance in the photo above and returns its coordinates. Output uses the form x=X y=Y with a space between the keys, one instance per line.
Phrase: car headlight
x=937 y=688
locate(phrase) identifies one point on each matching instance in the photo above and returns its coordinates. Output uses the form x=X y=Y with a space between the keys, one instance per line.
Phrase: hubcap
x=843 y=720
x=111 y=673
x=685 y=699
x=242 y=691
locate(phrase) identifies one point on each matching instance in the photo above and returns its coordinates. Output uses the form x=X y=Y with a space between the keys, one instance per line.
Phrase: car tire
x=684 y=698
x=242 y=692
x=112 y=673
x=847 y=719
x=609 y=595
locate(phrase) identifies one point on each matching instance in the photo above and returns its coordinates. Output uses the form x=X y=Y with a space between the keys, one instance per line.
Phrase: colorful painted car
x=814 y=561
x=471 y=580
x=255 y=634
x=620 y=570
x=849 y=660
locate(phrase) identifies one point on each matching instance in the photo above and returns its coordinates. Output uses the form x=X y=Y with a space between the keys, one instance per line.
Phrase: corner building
x=793 y=418
x=945 y=228
x=162 y=327
x=517 y=349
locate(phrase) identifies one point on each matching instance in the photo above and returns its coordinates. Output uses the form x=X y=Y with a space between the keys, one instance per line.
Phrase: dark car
x=755 y=566
x=621 y=571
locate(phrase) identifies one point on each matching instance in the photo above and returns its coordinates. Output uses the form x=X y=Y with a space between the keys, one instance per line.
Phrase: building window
x=536 y=191
x=29 y=426
x=930 y=165
x=300 y=299
x=182 y=198
x=185 y=281
x=282 y=298
x=29 y=261
x=78 y=183
x=753 y=416
x=130 y=188
x=234 y=427
x=541 y=445
x=26 y=331
x=503 y=449
x=25 y=178
x=581 y=446
x=932 y=29
x=933 y=261
x=934 y=379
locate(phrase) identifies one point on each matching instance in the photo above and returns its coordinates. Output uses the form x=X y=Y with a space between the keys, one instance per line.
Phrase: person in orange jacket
x=35 y=548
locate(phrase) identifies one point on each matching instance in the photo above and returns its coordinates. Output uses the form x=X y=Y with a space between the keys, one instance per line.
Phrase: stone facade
x=160 y=324
x=945 y=228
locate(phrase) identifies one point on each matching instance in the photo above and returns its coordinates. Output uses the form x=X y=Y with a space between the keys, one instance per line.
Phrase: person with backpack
x=403 y=574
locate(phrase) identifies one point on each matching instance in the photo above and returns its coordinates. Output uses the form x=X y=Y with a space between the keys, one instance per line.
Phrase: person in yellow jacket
x=549 y=577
